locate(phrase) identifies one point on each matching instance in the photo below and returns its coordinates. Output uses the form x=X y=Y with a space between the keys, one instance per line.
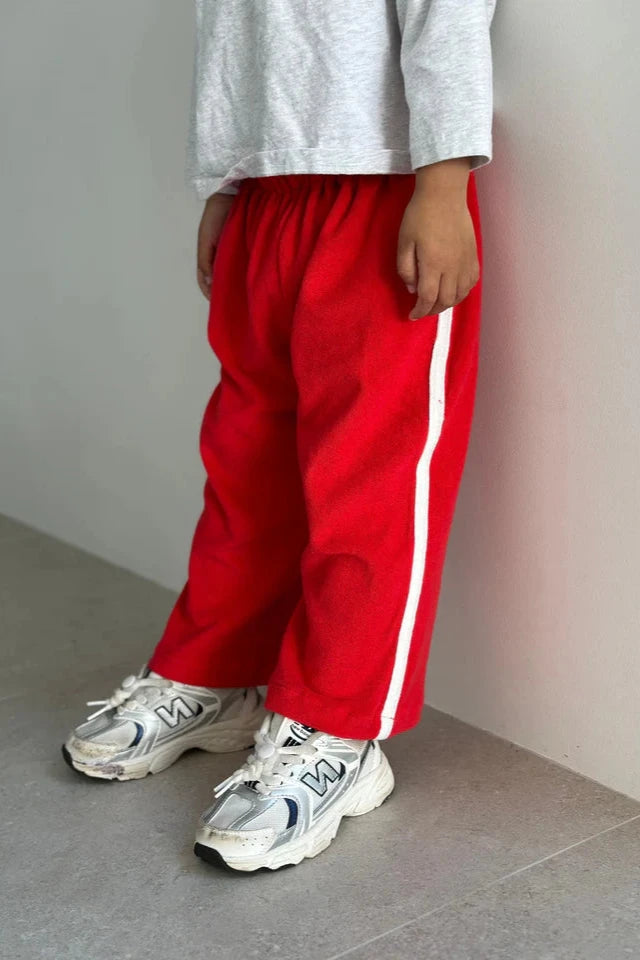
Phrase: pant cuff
x=201 y=676
x=330 y=715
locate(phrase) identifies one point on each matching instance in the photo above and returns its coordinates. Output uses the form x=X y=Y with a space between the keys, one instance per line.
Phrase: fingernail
x=411 y=288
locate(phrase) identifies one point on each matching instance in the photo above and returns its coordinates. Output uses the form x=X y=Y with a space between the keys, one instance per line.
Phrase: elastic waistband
x=296 y=182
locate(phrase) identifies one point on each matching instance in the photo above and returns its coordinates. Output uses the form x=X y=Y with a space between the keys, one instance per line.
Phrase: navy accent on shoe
x=139 y=734
x=293 y=812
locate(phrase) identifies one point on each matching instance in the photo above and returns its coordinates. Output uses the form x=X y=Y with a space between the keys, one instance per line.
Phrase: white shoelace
x=268 y=765
x=129 y=690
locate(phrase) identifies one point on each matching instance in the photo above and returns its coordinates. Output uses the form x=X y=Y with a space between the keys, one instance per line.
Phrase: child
x=335 y=145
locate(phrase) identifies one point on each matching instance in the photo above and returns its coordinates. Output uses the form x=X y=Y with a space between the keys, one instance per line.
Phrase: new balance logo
x=177 y=710
x=300 y=732
x=324 y=774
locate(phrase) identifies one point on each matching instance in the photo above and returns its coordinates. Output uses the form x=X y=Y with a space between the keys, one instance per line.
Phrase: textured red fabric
x=324 y=485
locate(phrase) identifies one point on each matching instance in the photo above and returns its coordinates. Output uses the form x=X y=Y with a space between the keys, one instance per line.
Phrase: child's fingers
x=451 y=291
x=466 y=285
x=204 y=282
x=428 y=287
x=206 y=253
x=205 y=258
x=447 y=294
x=407 y=265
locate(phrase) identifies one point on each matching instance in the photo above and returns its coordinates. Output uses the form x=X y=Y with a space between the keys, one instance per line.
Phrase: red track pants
x=333 y=446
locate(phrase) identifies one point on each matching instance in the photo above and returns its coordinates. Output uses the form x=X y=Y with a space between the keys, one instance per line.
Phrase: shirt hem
x=305 y=160
x=312 y=160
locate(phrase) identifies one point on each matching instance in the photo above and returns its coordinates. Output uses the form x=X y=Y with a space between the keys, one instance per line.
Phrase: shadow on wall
x=504 y=586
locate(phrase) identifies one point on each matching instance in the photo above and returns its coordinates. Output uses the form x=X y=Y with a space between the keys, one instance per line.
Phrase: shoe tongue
x=288 y=733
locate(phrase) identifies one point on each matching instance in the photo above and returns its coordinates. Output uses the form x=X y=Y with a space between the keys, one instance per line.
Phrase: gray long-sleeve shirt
x=337 y=86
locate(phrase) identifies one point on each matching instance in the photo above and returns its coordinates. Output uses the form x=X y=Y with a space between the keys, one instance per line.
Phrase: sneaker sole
x=226 y=740
x=366 y=796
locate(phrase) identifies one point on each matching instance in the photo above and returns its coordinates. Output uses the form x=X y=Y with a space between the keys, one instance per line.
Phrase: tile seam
x=485 y=886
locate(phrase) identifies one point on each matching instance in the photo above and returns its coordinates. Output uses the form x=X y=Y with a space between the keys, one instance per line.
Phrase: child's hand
x=437 y=251
x=215 y=213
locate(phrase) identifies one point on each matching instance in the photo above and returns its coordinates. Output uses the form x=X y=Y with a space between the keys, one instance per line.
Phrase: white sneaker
x=287 y=801
x=150 y=721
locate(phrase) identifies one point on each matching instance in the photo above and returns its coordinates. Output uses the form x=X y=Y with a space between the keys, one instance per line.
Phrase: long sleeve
x=447 y=70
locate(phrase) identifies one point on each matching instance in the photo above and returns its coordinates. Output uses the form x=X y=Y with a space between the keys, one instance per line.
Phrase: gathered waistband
x=295 y=182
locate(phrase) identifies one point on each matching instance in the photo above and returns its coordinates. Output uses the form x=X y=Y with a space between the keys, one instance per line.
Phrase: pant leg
x=244 y=566
x=384 y=413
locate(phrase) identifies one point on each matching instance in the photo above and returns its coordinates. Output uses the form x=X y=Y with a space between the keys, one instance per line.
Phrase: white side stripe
x=437 y=372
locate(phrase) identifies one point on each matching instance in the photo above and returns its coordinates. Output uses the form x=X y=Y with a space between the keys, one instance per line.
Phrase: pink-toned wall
x=538 y=634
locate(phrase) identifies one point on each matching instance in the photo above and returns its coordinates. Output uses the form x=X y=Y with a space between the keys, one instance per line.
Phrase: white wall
x=538 y=634
x=104 y=365
x=105 y=370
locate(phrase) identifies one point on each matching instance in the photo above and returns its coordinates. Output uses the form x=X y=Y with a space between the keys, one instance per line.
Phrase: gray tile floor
x=485 y=851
